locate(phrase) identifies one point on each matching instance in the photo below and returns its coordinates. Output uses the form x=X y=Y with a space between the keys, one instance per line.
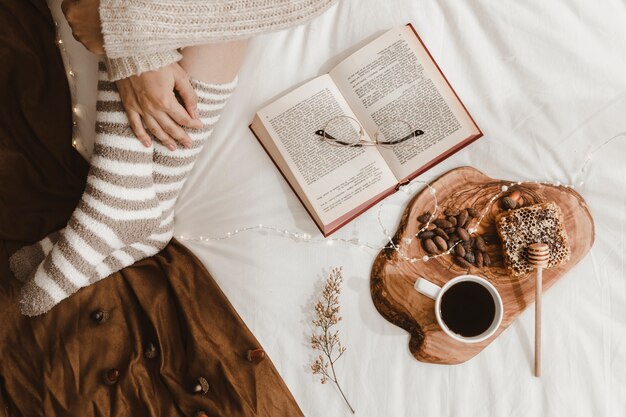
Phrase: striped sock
x=170 y=170
x=118 y=207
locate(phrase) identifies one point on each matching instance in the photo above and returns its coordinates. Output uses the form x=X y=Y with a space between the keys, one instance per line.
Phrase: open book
x=391 y=78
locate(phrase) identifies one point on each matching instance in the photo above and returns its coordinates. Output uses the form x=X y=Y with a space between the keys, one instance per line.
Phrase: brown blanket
x=53 y=365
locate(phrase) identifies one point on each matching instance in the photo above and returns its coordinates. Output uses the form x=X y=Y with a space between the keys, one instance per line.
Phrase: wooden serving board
x=392 y=277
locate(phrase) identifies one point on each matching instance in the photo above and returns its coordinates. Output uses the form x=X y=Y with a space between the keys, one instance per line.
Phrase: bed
x=545 y=82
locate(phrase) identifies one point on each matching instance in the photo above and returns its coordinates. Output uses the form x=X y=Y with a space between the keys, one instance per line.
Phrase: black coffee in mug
x=468 y=308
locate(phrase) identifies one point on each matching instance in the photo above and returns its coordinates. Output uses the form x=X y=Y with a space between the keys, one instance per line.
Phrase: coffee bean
x=443 y=223
x=462 y=218
x=451 y=212
x=470 y=257
x=424 y=217
x=452 y=220
x=460 y=250
x=441 y=243
x=441 y=233
x=463 y=234
x=462 y=262
x=449 y=230
x=508 y=203
x=431 y=227
x=472 y=212
x=479 y=259
x=429 y=246
x=426 y=234
x=480 y=244
x=486 y=259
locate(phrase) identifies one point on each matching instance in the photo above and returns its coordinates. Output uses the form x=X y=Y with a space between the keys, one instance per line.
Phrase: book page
x=334 y=180
x=394 y=78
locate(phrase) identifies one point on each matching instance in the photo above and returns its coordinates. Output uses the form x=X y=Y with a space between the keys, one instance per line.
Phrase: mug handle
x=430 y=290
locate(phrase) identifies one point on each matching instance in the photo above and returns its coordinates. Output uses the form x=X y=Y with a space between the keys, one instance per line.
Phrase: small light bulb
x=504 y=188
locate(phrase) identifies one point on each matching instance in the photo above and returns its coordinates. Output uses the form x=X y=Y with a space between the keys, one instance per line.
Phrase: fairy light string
x=389 y=242
x=71 y=78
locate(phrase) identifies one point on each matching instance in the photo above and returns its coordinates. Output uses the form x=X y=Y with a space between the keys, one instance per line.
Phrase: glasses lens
x=343 y=131
x=395 y=133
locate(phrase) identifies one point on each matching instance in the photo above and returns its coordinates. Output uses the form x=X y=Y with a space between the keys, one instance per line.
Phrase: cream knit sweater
x=144 y=35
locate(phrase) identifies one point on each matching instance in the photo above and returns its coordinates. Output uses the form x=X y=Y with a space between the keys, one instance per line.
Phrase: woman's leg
x=216 y=63
x=212 y=69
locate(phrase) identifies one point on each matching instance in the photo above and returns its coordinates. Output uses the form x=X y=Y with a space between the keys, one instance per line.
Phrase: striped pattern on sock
x=118 y=207
x=170 y=170
x=211 y=100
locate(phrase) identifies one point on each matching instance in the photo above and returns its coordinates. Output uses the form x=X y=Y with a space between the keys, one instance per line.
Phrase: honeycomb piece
x=538 y=223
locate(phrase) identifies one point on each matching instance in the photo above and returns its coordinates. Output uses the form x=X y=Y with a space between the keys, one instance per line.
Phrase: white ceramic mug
x=435 y=292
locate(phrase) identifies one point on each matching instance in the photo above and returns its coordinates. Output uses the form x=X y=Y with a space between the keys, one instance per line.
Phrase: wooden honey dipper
x=538 y=256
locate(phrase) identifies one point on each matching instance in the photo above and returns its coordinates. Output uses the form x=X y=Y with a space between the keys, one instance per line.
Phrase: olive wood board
x=393 y=278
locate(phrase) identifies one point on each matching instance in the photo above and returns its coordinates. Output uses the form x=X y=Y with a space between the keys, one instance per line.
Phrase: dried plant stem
x=336 y=381
x=327 y=341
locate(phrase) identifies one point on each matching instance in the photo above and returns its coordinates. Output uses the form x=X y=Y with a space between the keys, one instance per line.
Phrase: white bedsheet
x=546 y=82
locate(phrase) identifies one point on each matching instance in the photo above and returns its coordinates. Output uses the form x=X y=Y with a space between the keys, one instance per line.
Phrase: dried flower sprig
x=325 y=337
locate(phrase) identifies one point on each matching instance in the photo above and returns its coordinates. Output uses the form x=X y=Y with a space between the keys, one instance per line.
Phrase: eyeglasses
x=346 y=131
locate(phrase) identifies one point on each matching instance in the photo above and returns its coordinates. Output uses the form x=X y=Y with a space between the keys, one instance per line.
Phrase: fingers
x=180 y=116
x=135 y=123
x=133 y=112
x=154 y=127
x=188 y=94
x=173 y=129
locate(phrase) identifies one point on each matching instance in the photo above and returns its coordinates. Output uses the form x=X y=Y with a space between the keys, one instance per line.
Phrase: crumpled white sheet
x=546 y=82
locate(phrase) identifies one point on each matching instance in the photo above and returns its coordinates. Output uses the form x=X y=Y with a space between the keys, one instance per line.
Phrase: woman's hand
x=84 y=19
x=150 y=97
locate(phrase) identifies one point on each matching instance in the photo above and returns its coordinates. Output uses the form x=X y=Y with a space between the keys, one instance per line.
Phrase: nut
x=508 y=203
x=429 y=246
x=463 y=234
x=443 y=223
x=462 y=262
x=462 y=218
x=441 y=233
x=470 y=257
x=255 y=355
x=424 y=217
x=441 y=243
x=480 y=244
x=479 y=259
x=516 y=196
